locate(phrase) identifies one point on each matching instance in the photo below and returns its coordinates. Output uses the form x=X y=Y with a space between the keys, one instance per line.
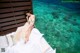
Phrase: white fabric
x=36 y=44
x=3 y=42
x=10 y=38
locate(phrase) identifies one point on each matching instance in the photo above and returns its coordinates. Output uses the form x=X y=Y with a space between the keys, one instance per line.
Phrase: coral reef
x=60 y=27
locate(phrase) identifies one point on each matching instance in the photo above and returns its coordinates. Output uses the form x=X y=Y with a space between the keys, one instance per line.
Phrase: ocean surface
x=60 y=24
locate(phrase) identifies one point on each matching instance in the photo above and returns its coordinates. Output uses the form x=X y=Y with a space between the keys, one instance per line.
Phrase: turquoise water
x=60 y=26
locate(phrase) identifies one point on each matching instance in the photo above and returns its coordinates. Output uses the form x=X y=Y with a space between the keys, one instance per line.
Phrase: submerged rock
x=55 y=15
